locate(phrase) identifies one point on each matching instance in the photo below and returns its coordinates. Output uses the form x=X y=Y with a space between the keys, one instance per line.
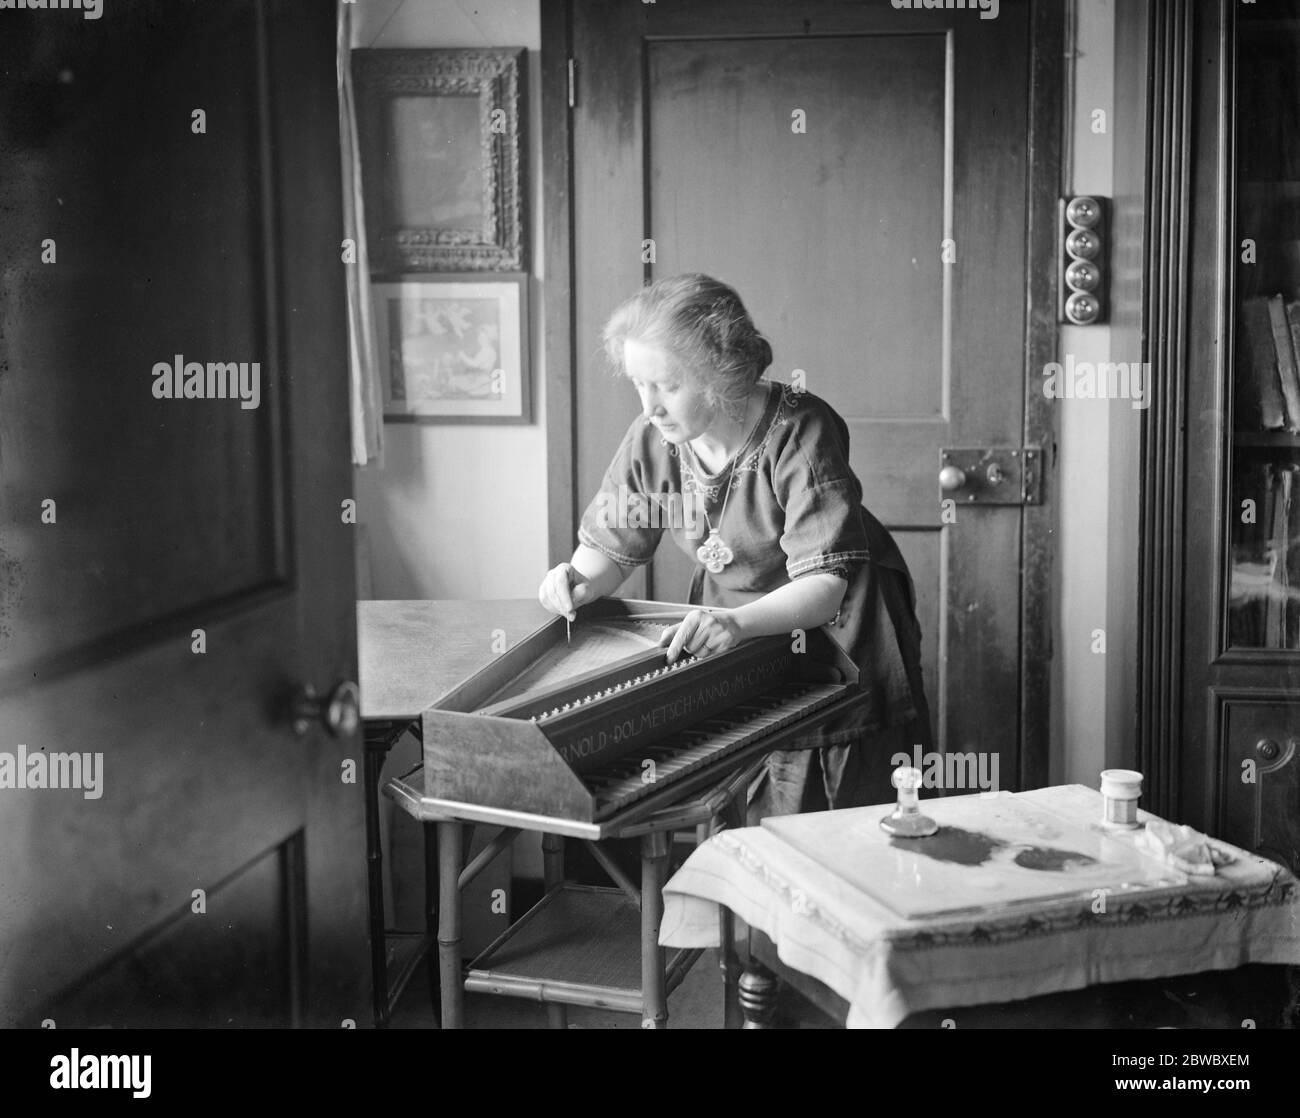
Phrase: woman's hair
x=703 y=327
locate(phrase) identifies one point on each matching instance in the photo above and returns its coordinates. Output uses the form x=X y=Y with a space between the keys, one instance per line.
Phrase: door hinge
x=992 y=475
x=573 y=83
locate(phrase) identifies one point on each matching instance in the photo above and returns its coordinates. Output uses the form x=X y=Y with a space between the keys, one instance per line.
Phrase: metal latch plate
x=992 y=475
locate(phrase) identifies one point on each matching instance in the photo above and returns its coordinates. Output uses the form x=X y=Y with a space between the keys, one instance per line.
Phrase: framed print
x=453 y=348
x=442 y=158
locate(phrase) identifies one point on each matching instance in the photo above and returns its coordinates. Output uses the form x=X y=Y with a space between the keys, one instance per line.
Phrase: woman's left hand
x=702 y=633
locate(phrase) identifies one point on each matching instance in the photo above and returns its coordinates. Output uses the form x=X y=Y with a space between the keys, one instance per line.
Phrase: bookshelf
x=1263 y=603
x=1219 y=656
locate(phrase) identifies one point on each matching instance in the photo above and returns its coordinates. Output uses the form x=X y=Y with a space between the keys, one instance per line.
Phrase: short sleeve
x=623 y=521
x=822 y=497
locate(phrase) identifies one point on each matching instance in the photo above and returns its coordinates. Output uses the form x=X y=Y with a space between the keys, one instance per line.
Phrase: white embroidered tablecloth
x=887 y=966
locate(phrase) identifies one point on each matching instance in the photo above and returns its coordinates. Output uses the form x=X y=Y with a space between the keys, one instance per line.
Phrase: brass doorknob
x=951 y=478
x=339 y=711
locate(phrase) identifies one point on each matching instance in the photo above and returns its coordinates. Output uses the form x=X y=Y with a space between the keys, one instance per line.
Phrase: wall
x=1094 y=709
x=1130 y=139
x=459 y=511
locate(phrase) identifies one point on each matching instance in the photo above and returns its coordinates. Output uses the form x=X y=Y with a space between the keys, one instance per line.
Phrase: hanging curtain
x=366 y=394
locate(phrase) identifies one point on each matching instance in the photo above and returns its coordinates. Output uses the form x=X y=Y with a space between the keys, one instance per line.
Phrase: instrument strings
x=616 y=689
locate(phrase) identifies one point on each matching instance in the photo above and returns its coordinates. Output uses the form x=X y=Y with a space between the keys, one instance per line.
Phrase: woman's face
x=670 y=399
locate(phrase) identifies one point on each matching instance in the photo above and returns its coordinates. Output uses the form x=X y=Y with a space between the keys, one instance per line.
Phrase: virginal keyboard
x=631 y=778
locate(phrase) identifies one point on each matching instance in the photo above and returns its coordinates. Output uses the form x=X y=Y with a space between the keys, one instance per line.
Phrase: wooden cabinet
x=1221 y=712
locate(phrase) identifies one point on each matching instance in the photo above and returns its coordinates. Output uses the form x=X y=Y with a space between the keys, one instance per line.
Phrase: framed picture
x=453 y=348
x=442 y=158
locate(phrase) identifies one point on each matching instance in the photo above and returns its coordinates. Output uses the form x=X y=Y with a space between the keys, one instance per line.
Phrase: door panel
x=176 y=976
x=1258 y=769
x=120 y=264
x=813 y=219
x=916 y=125
x=172 y=516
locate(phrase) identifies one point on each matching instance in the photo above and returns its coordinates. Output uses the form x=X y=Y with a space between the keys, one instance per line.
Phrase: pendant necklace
x=713 y=552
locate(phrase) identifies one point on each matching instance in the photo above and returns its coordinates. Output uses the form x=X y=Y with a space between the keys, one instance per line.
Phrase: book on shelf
x=1286 y=360
x=1289 y=256
x=1293 y=328
x=1249 y=570
x=1265 y=598
x=1275 y=634
x=1258 y=390
x=1290 y=561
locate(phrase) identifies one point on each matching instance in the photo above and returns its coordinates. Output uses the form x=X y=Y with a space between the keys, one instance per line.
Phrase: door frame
x=1043 y=145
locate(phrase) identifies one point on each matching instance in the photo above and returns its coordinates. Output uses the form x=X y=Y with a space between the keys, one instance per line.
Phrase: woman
x=780 y=541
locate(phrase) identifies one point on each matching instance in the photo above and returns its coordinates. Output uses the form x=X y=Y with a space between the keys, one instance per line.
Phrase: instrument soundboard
x=594 y=724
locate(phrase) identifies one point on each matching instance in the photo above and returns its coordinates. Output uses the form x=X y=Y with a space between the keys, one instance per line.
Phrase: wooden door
x=174 y=568
x=860 y=175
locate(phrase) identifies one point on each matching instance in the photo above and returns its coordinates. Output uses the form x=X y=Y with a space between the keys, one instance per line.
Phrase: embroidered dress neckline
x=764 y=421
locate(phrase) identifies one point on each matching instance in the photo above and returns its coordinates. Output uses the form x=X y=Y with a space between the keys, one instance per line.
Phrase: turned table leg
x=758 y=991
x=376 y=749
x=450 y=840
x=729 y=963
x=733 y=815
x=431 y=962
x=557 y=1016
x=654 y=982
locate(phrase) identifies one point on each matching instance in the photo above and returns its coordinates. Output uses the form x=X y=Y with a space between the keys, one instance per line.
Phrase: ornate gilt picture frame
x=442 y=158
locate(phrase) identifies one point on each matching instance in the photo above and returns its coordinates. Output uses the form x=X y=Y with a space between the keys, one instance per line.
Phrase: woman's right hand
x=563 y=589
